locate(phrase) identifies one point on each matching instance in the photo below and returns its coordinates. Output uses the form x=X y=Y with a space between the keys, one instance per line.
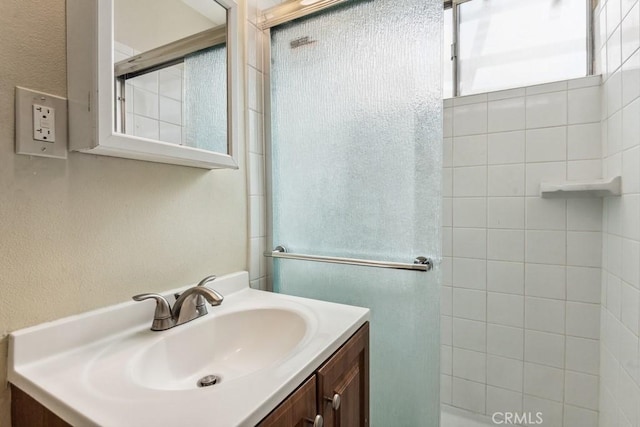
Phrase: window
x=503 y=44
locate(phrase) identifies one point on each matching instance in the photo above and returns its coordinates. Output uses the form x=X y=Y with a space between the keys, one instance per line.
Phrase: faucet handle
x=201 y=283
x=207 y=280
x=201 y=307
x=162 y=318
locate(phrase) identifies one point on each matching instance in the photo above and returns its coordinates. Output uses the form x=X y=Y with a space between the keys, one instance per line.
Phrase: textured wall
x=92 y=231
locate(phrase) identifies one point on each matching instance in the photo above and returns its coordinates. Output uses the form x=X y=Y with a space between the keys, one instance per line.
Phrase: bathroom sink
x=107 y=368
x=227 y=346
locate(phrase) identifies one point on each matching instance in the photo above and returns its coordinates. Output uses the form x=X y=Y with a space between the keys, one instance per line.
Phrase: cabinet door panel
x=346 y=375
x=296 y=410
x=27 y=412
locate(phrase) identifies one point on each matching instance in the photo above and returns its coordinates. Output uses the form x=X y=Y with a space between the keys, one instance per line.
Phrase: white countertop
x=80 y=367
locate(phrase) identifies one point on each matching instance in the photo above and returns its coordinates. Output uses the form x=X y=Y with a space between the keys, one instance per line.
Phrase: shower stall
x=353 y=119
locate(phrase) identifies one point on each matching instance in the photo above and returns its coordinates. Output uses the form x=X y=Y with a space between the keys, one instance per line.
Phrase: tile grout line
x=486 y=285
x=524 y=269
x=453 y=186
x=564 y=370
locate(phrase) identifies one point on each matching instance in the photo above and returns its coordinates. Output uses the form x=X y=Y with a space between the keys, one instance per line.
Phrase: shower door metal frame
x=289 y=11
x=268 y=165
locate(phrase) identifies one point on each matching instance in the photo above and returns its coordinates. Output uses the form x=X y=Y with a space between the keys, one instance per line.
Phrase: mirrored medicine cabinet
x=155 y=80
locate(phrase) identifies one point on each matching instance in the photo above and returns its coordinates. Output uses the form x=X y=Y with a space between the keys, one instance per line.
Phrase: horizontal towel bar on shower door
x=419 y=264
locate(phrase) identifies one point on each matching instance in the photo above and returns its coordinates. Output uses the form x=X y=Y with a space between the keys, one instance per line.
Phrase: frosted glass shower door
x=356 y=147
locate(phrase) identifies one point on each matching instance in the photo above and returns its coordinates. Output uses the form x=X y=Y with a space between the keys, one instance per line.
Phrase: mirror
x=171 y=71
x=164 y=87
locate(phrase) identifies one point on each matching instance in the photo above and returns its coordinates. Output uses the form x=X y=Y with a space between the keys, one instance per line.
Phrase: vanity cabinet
x=298 y=409
x=338 y=390
x=343 y=383
x=27 y=412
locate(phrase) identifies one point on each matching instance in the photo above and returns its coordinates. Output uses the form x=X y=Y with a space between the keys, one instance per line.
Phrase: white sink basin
x=228 y=346
x=106 y=368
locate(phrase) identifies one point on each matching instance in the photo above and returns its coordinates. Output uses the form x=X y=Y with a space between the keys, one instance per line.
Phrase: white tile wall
x=505 y=341
x=499 y=398
x=505 y=277
x=504 y=373
x=544 y=348
x=470 y=395
x=506 y=147
x=471 y=119
x=544 y=314
x=543 y=381
x=469 y=364
x=618 y=23
x=521 y=280
x=258 y=267
x=548 y=109
x=552 y=411
x=546 y=144
x=545 y=281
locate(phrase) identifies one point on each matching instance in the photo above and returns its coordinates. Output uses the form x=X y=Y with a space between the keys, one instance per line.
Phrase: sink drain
x=208 y=380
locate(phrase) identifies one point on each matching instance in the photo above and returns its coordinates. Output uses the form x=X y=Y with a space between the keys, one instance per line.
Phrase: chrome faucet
x=188 y=306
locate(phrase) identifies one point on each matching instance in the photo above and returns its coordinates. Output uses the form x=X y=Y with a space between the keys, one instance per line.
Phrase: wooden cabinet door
x=345 y=377
x=27 y=412
x=298 y=410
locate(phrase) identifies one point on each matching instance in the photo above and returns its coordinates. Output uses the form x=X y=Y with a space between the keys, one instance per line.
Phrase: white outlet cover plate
x=44 y=123
x=25 y=141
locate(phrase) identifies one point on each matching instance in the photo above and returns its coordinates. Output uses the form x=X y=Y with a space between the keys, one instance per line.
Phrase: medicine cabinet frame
x=92 y=93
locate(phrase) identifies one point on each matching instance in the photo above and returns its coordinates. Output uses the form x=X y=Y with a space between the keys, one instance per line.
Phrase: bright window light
x=513 y=43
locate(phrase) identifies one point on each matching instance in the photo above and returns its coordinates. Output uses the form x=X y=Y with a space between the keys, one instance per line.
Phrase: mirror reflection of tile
x=154 y=101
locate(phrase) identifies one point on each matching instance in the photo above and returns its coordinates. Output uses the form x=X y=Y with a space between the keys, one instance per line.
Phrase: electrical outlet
x=41 y=124
x=44 y=123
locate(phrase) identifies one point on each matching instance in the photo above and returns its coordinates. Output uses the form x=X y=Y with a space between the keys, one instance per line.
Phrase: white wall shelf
x=593 y=188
